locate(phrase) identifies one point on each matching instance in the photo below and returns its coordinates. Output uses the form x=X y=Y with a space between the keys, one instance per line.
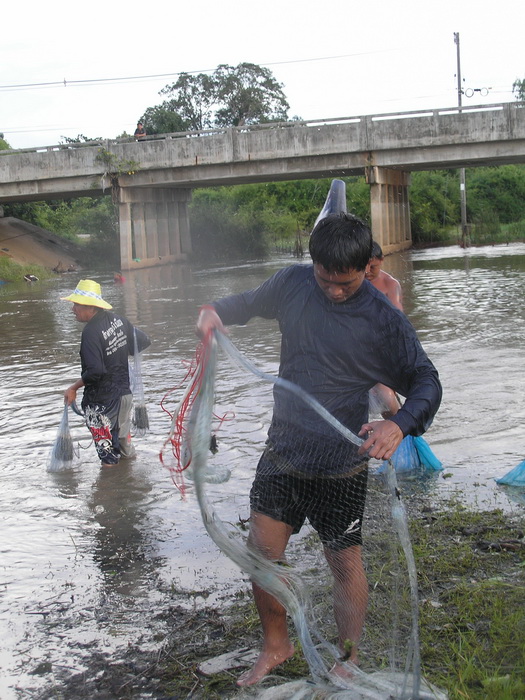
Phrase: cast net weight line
x=282 y=581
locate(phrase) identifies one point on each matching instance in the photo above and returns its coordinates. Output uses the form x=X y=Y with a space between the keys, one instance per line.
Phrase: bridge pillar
x=154 y=226
x=390 y=209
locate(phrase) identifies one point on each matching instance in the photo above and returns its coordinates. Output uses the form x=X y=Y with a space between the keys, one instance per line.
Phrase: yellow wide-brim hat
x=89 y=293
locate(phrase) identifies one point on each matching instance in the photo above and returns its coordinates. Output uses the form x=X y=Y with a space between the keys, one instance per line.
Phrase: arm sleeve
x=262 y=301
x=421 y=403
x=415 y=377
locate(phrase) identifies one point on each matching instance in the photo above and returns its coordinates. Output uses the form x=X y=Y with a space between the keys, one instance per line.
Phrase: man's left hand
x=381 y=439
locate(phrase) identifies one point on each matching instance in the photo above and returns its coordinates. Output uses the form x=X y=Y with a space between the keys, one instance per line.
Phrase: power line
x=124 y=79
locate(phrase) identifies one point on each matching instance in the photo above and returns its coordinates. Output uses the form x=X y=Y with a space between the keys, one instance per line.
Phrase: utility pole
x=462 y=188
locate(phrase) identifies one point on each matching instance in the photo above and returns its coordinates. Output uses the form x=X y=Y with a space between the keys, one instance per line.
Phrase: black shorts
x=334 y=506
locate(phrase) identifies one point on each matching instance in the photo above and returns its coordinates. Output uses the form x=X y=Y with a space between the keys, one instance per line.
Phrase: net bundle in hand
x=140 y=412
x=62 y=453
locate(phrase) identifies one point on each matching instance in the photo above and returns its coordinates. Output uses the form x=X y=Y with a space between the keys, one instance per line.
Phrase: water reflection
x=89 y=555
x=123 y=542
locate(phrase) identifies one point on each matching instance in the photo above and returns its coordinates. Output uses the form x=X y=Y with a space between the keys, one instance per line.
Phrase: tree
x=192 y=97
x=163 y=119
x=518 y=88
x=248 y=94
x=230 y=96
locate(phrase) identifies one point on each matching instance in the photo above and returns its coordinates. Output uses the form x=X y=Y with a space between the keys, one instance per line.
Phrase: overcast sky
x=334 y=58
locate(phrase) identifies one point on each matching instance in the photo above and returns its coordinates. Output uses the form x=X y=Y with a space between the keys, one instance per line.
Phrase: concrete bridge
x=152 y=180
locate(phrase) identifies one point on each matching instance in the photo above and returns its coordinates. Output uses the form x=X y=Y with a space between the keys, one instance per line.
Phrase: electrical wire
x=100 y=81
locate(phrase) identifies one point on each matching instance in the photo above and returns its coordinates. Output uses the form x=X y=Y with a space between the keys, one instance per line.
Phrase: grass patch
x=471 y=573
x=11 y=271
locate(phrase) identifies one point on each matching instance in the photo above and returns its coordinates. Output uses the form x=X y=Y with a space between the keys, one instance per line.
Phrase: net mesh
x=140 y=411
x=62 y=452
x=321 y=585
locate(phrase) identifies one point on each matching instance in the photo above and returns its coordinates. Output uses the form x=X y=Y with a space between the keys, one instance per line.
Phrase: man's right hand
x=207 y=321
x=70 y=395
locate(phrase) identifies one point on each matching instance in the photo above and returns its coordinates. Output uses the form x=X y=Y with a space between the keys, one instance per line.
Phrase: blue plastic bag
x=427 y=458
x=413 y=454
x=405 y=458
x=516 y=476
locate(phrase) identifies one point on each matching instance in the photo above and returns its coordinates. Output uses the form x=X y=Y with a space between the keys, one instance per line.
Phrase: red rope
x=175 y=440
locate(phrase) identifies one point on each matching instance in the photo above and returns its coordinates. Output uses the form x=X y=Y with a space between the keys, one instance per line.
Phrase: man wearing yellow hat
x=107 y=341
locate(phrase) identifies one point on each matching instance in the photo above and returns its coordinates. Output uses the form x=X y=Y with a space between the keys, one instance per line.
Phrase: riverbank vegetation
x=11 y=271
x=256 y=220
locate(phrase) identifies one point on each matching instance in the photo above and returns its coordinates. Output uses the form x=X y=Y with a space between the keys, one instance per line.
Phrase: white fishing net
x=140 y=412
x=313 y=593
x=62 y=453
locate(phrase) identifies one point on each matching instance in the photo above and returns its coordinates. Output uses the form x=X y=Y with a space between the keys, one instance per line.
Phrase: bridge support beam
x=390 y=208
x=154 y=226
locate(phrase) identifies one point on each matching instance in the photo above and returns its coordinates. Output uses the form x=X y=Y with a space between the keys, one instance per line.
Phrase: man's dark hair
x=341 y=242
x=377 y=251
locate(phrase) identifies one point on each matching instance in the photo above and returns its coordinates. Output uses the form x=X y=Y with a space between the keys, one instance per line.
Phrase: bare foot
x=341 y=674
x=265 y=662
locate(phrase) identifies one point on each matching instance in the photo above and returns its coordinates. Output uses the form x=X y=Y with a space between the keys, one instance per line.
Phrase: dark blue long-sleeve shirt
x=107 y=341
x=338 y=351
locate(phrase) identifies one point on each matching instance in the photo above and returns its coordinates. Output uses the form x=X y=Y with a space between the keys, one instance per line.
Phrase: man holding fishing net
x=106 y=343
x=340 y=337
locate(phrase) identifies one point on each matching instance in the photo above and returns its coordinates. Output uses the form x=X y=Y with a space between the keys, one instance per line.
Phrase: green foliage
x=518 y=88
x=501 y=190
x=192 y=98
x=11 y=271
x=26 y=211
x=4 y=146
x=248 y=94
x=164 y=119
x=253 y=219
x=57 y=216
x=98 y=219
x=116 y=166
x=95 y=216
x=230 y=96
x=495 y=196
x=434 y=203
x=222 y=228
x=69 y=218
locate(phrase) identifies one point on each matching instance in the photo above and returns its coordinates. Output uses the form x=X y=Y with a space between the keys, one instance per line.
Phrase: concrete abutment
x=389 y=208
x=154 y=226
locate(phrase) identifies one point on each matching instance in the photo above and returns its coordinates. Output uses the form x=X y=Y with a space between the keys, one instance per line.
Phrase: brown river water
x=88 y=556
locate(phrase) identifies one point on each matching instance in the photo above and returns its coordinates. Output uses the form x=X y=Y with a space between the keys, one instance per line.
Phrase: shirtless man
x=381 y=279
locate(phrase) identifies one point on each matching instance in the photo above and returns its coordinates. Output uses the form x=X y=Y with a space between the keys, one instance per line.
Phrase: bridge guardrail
x=106 y=143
